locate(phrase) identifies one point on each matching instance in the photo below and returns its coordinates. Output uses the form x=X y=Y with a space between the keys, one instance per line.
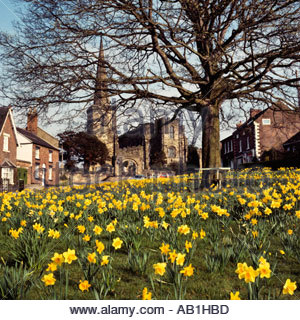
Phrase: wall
x=24 y=150
x=283 y=126
x=133 y=153
x=284 y=123
x=103 y=128
x=179 y=142
x=12 y=143
x=44 y=160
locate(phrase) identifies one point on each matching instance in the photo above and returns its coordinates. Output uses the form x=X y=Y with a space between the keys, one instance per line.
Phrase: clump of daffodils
x=249 y=274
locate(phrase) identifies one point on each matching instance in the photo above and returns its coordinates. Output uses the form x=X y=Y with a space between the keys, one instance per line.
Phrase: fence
x=226 y=177
x=5 y=185
x=213 y=178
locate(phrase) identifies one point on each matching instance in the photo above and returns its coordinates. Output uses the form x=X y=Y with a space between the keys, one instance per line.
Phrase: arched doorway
x=129 y=167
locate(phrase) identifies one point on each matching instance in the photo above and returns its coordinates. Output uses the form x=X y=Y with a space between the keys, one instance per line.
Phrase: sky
x=8 y=14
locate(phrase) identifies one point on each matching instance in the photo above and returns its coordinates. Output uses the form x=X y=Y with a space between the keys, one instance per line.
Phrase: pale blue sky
x=7 y=15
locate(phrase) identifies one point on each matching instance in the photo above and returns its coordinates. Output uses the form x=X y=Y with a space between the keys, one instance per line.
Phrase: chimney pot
x=32 y=121
x=239 y=124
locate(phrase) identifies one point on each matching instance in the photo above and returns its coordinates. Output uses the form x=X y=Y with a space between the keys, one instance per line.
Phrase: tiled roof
x=293 y=139
x=35 y=139
x=246 y=123
x=7 y=164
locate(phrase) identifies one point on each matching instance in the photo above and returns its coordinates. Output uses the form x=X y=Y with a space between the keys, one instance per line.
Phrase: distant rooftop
x=35 y=139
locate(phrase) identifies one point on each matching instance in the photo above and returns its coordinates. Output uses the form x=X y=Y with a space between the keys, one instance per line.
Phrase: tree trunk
x=210 y=145
x=211 y=157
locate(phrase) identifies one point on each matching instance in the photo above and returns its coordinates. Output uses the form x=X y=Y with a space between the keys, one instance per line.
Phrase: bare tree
x=187 y=54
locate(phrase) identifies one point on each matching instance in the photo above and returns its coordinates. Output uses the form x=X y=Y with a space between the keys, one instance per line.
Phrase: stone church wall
x=136 y=154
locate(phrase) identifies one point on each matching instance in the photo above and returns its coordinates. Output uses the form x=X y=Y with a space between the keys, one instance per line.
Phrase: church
x=132 y=153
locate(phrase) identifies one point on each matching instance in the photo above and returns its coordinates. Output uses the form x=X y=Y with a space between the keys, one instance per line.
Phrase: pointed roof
x=7 y=164
x=101 y=96
x=6 y=112
x=293 y=140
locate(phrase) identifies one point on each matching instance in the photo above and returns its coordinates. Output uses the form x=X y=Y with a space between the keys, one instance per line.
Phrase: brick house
x=8 y=148
x=261 y=137
x=40 y=155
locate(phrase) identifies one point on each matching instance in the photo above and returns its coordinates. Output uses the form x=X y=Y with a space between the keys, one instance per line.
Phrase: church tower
x=101 y=116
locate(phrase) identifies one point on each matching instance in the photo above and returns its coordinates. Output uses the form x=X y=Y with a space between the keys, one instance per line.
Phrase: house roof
x=48 y=137
x=278 y=107
x=245 y=124
x=5 y=112
x=7 y=164
x=35 y=139
x=250 y=120
x=294 y=139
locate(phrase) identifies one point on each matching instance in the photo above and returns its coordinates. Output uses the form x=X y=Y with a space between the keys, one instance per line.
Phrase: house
x=8 y=149
x=39 y=155
x=261 y=137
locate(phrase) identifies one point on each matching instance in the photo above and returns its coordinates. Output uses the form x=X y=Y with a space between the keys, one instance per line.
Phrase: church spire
x=101 y=94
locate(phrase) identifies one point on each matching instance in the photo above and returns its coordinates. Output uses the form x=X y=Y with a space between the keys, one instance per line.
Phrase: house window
x=8 y=174
x=231 y=147
x=248 y=143
x=37 y=171
x=37 y=152
x=237 y=136
x=241 y=149
x=50 y=156
x=50 y=173
x=266 y=122
x=5 y=142
x=172 y=132
x=171 y=152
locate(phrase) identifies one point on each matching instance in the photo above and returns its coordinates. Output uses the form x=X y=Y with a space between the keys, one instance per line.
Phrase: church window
x=172 y=132
x=171 y=152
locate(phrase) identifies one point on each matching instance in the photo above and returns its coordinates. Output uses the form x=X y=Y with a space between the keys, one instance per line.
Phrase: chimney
x=254 y=112
x=239 y=124
x=32 y=121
